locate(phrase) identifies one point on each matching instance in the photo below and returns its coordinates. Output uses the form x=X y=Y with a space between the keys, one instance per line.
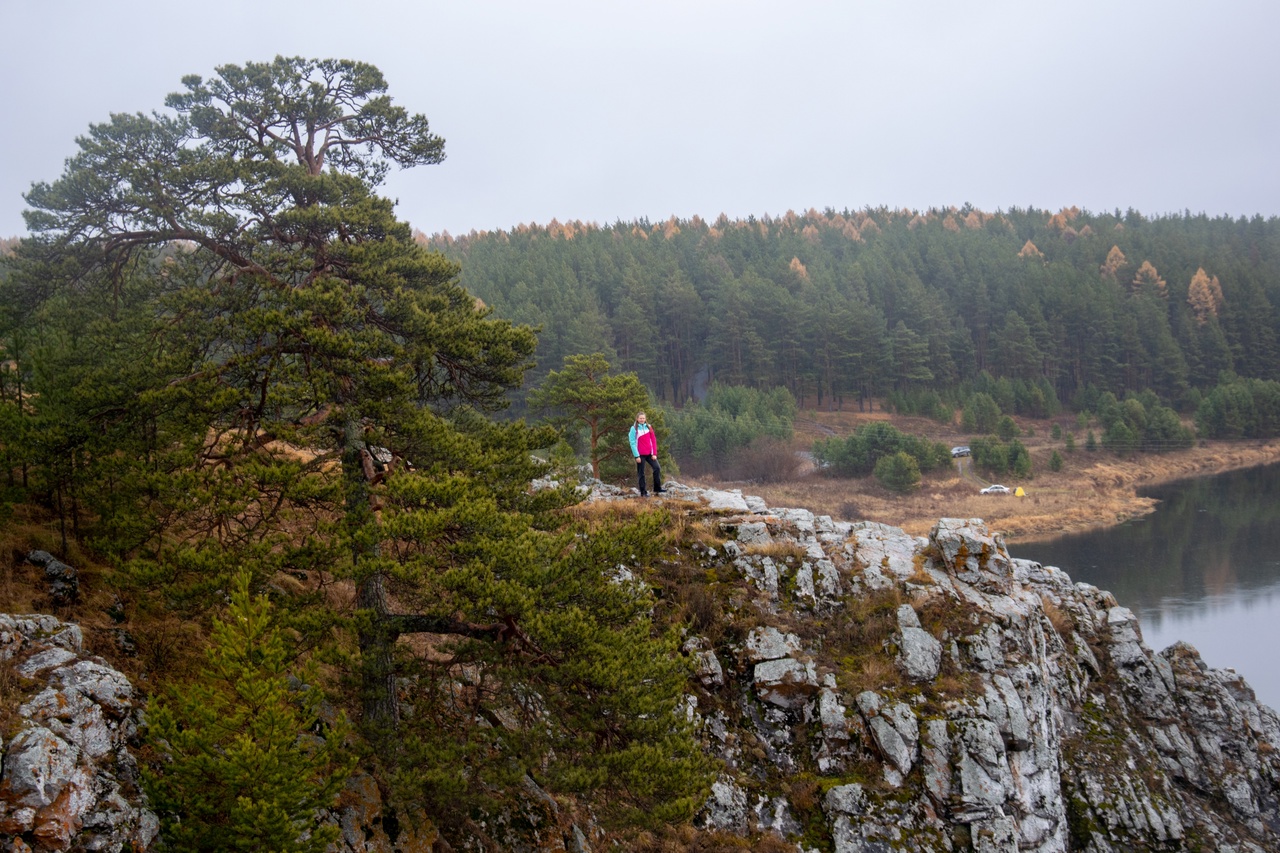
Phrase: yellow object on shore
x=1019 y=493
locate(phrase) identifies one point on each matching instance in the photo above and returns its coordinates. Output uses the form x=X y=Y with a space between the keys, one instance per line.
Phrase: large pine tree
x=308 y=395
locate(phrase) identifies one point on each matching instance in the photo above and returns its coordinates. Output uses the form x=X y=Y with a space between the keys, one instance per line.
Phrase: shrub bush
x=766 y=460
x=711 y=435
x=858 y=454
x=898 y=472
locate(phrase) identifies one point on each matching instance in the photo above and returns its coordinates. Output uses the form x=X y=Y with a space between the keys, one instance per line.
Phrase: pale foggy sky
x=603 y=110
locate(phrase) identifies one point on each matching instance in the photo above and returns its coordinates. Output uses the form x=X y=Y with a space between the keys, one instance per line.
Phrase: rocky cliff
x=866 y=691
x=872 y=691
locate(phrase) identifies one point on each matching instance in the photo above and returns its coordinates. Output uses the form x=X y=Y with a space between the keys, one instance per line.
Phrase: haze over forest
x=840 y=306
x=577 y=110
x=265 y=420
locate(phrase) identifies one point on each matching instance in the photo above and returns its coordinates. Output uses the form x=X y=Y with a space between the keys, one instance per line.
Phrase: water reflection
x=1204 y=568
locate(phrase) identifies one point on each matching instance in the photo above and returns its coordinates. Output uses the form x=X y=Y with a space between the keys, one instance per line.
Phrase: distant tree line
x=1038 y=310
x=1241 y=408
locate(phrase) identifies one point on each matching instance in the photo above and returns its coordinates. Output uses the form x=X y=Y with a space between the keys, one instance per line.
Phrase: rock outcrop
x=865 y=690
x=925 y=694
x=69 y=780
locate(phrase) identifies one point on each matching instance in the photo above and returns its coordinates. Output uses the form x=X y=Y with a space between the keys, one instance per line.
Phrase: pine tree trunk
x=375 y=629
x=380 y=707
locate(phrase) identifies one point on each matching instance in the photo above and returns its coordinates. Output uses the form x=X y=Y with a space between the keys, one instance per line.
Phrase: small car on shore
x=995 y=489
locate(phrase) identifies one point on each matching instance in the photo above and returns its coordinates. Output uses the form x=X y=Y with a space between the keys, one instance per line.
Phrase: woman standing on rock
x=644 y=447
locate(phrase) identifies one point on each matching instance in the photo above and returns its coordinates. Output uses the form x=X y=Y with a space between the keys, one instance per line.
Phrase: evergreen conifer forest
x=282 y=432
x=229 y=368
x=1041 y=310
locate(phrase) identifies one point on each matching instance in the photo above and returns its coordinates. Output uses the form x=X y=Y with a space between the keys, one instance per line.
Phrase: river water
x=1204 y=568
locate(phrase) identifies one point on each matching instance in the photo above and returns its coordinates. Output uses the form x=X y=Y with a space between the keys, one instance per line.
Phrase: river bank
x=1093 y=488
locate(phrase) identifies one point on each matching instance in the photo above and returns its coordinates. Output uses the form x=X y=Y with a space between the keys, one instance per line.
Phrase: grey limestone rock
x=762 y=571
x=935 y=758
x=786 y=682
x=895 y=731
x=768 y=643
x=732 y=501
x=66 y=770
x=39 y=765
x=983 y=772
x=973 y=554
x=920 y=653
x=46 y=658
x=774 y=814
x=754 y=533
x=885 y=552
x=708 y=669
x=63 y=580
x=1054 y=728
x=726 y=808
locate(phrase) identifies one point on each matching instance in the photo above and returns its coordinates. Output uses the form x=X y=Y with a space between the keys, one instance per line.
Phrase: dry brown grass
x=18 y=584
x=24 y=589
x=878 y=672
x=919 y=574
x=21 y=584
x=702 y=610
x=1059 y=618
x=855 y=641
x=943 y=616
x=780 y=551
x=605 y=513
x=687 y=839
x=700 y=530
x=1093 y=488
x=955 y=685
x=14 y=690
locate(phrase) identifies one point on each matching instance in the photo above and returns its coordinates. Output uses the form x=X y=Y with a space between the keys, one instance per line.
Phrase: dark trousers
x=657 y=473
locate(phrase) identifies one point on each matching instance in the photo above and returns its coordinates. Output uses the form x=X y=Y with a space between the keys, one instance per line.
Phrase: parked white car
x=957 y=452
x=996 y=489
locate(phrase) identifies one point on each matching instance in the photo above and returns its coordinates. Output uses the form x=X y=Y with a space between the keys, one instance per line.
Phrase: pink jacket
x=644 y=441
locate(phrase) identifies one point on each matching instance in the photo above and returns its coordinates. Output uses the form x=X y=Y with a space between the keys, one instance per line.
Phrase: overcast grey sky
x=606 y=110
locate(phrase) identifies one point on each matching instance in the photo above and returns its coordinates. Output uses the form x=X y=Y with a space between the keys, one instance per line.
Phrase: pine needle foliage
x=245 y=363
x=244 y=768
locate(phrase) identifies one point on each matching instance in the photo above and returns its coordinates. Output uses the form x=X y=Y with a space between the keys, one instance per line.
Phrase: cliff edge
x=865 y=690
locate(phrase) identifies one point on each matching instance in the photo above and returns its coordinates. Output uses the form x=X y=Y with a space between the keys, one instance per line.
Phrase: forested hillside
x=842 y=306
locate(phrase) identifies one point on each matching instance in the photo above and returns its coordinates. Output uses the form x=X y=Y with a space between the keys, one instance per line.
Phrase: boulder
x=920 y=654
x=754 y=533
x=707 y=666
x=726 y=808
x=63 y=581
x=786 y=682
x=886 y=553
x=719 y=500
x=972 y=554
x=768 y=643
